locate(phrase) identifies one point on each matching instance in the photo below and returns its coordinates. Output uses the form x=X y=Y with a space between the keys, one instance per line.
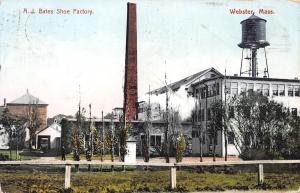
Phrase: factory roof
x=185 y=81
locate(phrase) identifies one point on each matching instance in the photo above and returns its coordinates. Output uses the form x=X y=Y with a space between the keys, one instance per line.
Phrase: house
x=49 y=138
x=21 y=107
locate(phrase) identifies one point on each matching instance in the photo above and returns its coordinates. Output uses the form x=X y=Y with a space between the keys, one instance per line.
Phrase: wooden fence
x=172 y=166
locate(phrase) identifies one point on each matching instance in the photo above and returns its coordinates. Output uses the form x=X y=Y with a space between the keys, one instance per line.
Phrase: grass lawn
x=14 y=155
x=142 y=181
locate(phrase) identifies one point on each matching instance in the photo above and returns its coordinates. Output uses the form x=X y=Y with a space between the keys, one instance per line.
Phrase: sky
x=52 y=54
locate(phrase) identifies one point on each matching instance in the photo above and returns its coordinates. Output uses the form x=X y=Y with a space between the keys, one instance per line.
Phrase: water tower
x=253 y=38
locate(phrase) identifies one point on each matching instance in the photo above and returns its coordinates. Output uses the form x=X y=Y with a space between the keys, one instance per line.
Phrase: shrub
x=3 y=157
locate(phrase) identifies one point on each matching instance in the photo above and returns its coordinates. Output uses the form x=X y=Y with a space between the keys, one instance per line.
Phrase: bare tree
x=33 y=121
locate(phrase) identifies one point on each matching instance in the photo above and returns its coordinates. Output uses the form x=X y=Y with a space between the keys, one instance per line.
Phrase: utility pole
x=102 y=148
x=167 y=123
x=200 y=129
x=215 y=121
x=148 y=128
x=91 y=132
x=225 y=119
x=112 y=142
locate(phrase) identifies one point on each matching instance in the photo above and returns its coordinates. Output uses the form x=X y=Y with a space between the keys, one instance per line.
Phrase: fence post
x=260 y=174
x=173 y=177
x=68 y=176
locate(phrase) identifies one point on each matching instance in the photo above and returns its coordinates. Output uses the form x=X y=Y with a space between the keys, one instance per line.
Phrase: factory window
x=243 y=87
x=250 y=87
x=210 y=91
x=208 y=115
x=199 y=115
x=259 y=88
x=275 y=89
x=202 y=114
x=234 y=88
x=290 y=90
x=294 y=112
x=195 y=134
x=281 y=90
x=297 y=90
x=155 y=140
x=266 y=89
x=230 y=137
x=203 y=92
x=213 y=139
x=227 y=88
x=215 y=89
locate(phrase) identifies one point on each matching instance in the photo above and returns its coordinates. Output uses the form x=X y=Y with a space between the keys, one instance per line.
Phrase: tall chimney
x=4 y=102
x=130 y=84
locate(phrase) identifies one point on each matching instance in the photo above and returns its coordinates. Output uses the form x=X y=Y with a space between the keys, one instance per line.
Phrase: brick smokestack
x=130 y=84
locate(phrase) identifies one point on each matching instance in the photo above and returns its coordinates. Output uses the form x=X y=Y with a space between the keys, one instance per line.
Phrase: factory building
x=219 y=87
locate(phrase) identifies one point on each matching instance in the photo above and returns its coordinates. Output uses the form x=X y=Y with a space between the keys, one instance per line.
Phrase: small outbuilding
x=130 y=156
x=49 y=138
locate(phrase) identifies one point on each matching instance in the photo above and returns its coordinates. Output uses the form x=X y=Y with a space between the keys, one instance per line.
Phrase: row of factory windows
x=264 y=89
x=199 y=116
x=211 y=139
x=155 y=140
x=209 y=91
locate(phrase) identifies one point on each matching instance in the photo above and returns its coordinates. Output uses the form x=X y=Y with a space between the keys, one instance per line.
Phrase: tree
x=66 y=134
x=180 y=147
x=123 y=135
x=259 y=125
x=33 y=121
x=77 y=140
x=111 y=141
x=216 y=124
x=13 y=127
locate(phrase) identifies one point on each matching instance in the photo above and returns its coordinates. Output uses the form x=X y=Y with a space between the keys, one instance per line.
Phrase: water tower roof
x=253 y=17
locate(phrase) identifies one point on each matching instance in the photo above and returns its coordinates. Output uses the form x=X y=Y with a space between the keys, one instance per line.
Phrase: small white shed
x=130 y=156
x=49 y=138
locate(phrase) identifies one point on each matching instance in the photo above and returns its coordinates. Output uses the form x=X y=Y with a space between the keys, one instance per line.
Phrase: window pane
x=290 y=90
x=297 y=90
x=266 y=89
x=243 y=87
x=227 y=87
x=259 y=88
x=275 y=89
x=250 y=87
x=234 y=84
x=152 y=140
x=294 y=112
x=281 y=90
x=158 y=140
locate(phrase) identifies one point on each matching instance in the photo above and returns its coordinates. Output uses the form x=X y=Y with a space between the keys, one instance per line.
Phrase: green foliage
x=262 y=127
x=14 y=127
x=66 y=134
x=77 y=144
x=3 y=157
x=180 y=147
x=123 y=135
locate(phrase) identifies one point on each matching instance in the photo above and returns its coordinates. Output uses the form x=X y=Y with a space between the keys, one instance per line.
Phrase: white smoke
x=178 y=101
